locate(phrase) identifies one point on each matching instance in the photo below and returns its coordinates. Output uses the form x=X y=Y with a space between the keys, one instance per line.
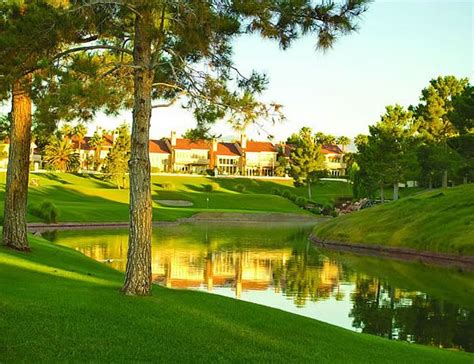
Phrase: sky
x=399 y=47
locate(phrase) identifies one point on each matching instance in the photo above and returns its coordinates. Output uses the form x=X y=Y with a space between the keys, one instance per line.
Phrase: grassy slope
x=66 y=307
x=440 y=221
x=90 y=199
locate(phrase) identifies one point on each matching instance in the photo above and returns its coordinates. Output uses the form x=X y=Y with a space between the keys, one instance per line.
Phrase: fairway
x=87 y=198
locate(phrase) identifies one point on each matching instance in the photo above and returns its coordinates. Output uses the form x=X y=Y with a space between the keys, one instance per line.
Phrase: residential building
x=160 y=155
x=259 y=158
x=333 y=158
x=180 y=155
x=35 y=159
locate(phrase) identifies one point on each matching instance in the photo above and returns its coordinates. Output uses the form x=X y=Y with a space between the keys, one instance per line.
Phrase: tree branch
x=90 y=48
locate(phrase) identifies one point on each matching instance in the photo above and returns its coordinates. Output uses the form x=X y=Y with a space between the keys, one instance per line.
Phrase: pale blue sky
x=400 y=46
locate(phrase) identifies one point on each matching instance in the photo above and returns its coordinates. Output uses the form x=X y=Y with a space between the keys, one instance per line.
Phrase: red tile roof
x=108 y=142
x=159 y=146
x=331 y=149
x=192 y=144
x=227 y=149
x=256 y=147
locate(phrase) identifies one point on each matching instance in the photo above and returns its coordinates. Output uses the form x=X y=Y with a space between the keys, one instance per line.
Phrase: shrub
x=211 y=187
x=327 y=210
x=286 y=194
x=293 y=197
x=168 y=186
x=276 y=191
x=240 y=188
x=334 y=213
x=301 y=201
x=47 y=211
x=316 y=210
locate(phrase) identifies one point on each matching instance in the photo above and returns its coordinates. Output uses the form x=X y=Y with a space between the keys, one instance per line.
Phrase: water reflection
x=276 y=266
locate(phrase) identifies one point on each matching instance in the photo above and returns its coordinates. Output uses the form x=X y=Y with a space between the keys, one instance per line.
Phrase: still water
x=276 y=266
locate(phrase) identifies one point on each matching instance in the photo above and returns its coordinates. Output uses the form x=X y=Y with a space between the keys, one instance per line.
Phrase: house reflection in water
x=199 y=267
x=241 y=270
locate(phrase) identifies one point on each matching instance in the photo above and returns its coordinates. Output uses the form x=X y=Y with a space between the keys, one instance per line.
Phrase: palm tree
x=66 y=131
x=343 y=141
x=60 y=155
x=79 y=132
x=96 y=143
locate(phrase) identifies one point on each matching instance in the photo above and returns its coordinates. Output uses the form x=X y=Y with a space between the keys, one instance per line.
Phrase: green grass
x=86 y=198
x=438 y=221
x=59 y=306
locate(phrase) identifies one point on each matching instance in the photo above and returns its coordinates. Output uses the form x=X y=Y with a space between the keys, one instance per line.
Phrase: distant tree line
x=431 y=142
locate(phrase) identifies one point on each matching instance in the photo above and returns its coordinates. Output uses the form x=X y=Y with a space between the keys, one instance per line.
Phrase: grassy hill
x=65 y=307
x=87 y=198
x=439 y=221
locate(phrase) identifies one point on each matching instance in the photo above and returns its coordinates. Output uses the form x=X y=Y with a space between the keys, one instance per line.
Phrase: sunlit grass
x=84 y=198
x=440 y=220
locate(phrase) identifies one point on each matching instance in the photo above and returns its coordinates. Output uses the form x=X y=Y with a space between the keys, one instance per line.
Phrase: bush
x=168 y=186
x=334 y=213
x=301 y=201
x=327 y=210
x=47 y=211
x=276 y=191
x=293 y=197
x=316 y=210
x=240 y=188
x=211 y=187
x=286 y=194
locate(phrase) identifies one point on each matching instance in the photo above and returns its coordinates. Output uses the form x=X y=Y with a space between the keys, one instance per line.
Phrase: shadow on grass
x=96 y=180
x=55 y=178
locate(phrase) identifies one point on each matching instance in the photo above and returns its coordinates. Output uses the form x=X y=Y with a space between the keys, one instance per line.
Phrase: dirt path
x=466 y=262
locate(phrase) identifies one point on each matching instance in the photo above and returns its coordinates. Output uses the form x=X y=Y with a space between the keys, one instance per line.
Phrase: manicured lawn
x=439 y=221
x=86 y=198
x=57 y=305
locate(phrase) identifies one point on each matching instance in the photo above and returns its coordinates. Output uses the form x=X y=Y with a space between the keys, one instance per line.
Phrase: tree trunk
x=430 y=182
x=445 y=179
x=309 y=190
x=16 y=192
x=444 y=182
x=138 y=272
x=395 y=191
x=382 y=194
x=464 y=180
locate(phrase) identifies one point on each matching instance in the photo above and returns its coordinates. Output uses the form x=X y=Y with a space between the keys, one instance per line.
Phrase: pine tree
x=168 y=43
x=116 y=163
x=434 y=113
x=306 y=159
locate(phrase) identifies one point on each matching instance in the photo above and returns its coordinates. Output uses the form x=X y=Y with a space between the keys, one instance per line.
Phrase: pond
x=275 y=265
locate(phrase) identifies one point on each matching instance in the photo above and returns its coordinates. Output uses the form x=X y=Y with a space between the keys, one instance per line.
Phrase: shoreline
x=405 y=254
x=202 y=217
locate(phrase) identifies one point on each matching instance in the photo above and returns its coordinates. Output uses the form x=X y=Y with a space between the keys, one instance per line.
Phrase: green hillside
x=438 y=221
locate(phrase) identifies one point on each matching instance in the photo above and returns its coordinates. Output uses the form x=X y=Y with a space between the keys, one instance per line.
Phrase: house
x=226 y=158
x=333 y=158
x=87 y=152
x=259 y=158
x=160 y=155
x=35 y=159
x=189 y=156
